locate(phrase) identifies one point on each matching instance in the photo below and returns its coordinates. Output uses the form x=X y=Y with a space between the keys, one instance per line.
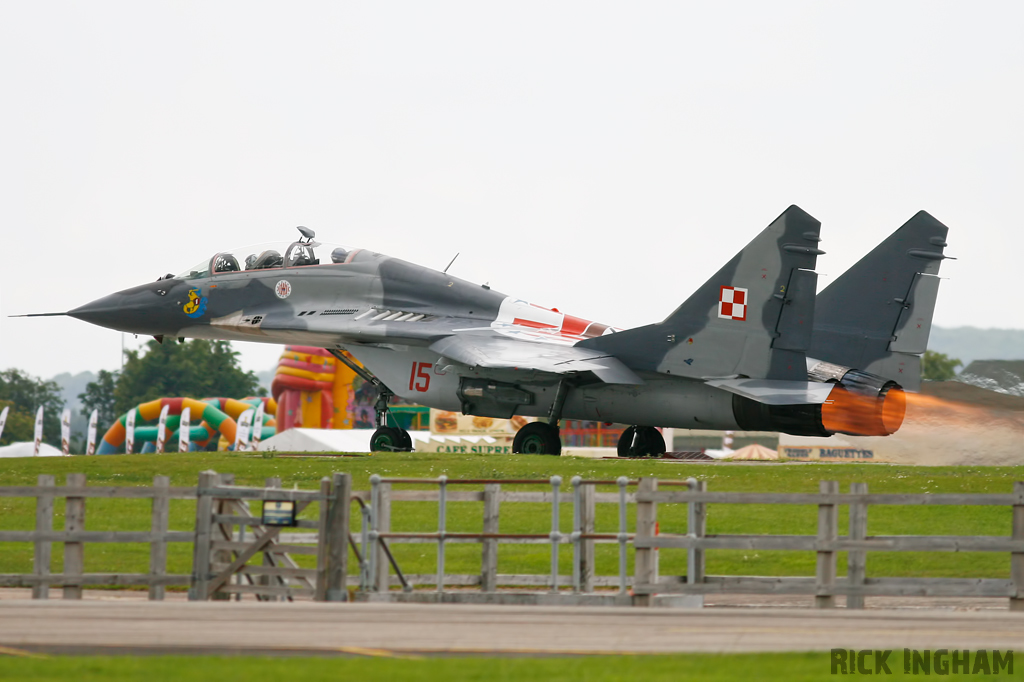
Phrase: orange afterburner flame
x=859 y=415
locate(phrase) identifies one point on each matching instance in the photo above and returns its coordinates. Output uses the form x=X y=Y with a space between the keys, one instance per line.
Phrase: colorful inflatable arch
x=211 y=416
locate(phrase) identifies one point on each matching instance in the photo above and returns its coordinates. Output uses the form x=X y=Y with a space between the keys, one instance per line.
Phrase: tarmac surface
x=276 y=628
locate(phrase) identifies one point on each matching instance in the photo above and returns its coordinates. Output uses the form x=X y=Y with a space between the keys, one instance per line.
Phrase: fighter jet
x=751 y=349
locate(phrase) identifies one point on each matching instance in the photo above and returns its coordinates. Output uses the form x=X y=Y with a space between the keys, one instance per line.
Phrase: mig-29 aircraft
x=751 y=349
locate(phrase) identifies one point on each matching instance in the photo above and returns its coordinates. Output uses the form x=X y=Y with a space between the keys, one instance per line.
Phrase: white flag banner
x=161 y=430
x=38 y=434
x=90 y=445
x=65 y=432
x=129 y=432
x=184 y=431
x=257 y=427
x=242 y=432
x=3 y=419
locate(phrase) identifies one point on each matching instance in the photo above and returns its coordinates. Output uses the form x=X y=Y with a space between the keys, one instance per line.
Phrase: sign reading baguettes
x=829 y=453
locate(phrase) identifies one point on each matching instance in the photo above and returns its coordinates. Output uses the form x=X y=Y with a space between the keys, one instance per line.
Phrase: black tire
x=406 y=440
x=386 y=439
x=649 y=442
x=537 y=438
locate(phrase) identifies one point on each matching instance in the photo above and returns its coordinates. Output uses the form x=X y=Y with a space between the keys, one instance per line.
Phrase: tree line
x=197 y=369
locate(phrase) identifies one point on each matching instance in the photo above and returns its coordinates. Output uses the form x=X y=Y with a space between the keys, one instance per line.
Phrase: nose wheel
x=537 y=438
x=641 y=441
x=390 y=439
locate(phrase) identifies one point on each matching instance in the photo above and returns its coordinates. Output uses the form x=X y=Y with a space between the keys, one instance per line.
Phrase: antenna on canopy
x=450 y=263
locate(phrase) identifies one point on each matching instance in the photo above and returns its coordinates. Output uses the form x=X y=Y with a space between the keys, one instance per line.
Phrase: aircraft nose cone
x=140 y=310
x=106 y=312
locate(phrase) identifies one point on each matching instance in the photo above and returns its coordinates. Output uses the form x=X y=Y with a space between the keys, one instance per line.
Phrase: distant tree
x=99 y=395
x=197 y=369
x=938 y=367
x=25 y=394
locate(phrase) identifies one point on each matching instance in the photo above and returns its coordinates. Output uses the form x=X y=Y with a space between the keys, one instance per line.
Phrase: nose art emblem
x=196 y=305
x=283 y=289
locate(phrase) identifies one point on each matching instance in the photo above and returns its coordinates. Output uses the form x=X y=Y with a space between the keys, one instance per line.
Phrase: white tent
x=754 y=452
x=25 y=450
x=324 y=440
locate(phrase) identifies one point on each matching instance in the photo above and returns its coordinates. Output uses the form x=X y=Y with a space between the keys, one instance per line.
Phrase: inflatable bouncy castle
x=315 y=391
x=215 y=422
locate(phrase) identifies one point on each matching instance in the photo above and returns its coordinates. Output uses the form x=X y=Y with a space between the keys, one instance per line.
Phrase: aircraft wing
x=499 y=352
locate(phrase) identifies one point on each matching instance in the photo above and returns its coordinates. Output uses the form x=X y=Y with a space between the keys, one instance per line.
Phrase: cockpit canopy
x=270 y=255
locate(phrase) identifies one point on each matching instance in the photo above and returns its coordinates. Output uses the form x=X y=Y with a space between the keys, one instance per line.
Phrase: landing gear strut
x=641 y=441
x=385 y=438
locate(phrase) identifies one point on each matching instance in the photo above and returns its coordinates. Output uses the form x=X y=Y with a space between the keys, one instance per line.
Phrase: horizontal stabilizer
x=496 y=352
x=776 y=392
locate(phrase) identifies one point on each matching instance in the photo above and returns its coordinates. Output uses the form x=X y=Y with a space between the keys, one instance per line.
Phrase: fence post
x=43 y=548
x=274 y=483
x=857 y=559
x=442 y=525
x=556 y=535
x=645 y=559
x=159 y=526
x=337 y=531
x=697 y=527
x=201 y=545
x=1017 y=558
x=320 y=593
x=828 y=531
x=587 y=512
x=489 y=559
x=224 y=531
x=74 y=552
x=382 y=524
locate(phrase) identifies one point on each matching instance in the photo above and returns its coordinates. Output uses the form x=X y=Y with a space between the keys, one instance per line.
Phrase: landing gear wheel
x=648 y=442
x=537 y=438
x=387 y=439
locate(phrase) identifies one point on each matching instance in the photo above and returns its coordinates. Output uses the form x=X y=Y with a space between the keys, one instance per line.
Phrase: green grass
x=674 y=668
x=19 y=514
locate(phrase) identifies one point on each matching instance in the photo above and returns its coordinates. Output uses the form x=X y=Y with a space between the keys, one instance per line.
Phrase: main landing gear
x=538 y=438
x=641 y=441
x=385 y=438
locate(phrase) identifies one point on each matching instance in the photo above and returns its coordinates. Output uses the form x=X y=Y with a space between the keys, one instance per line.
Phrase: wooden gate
x=235 y=553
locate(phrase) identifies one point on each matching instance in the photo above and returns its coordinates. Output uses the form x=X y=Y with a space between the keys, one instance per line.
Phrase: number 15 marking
x=419 y=378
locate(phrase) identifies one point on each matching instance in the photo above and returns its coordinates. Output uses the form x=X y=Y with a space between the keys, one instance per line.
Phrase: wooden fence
x=645 y=584
x=227 y=538
x=74 y=536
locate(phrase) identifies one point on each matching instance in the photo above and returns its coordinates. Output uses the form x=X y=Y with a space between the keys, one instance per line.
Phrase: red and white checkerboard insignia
x=732 y=303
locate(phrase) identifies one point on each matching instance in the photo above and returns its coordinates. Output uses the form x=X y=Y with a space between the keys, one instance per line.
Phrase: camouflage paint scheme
x=440 y=341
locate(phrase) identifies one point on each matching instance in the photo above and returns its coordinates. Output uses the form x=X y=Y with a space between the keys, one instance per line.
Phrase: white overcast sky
x=604 y=158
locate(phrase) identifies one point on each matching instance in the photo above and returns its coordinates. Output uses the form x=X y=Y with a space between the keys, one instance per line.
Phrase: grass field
x=674 y=668
x=19 y=514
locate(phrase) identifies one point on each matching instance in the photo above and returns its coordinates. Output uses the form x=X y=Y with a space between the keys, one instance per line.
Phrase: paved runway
x=252 y=627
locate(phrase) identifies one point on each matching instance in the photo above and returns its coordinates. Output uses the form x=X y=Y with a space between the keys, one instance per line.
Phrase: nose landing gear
x=385 y=438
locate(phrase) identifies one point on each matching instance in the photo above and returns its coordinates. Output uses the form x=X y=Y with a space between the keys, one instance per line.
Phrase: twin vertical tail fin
x=877 y=315
x=753 y=318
